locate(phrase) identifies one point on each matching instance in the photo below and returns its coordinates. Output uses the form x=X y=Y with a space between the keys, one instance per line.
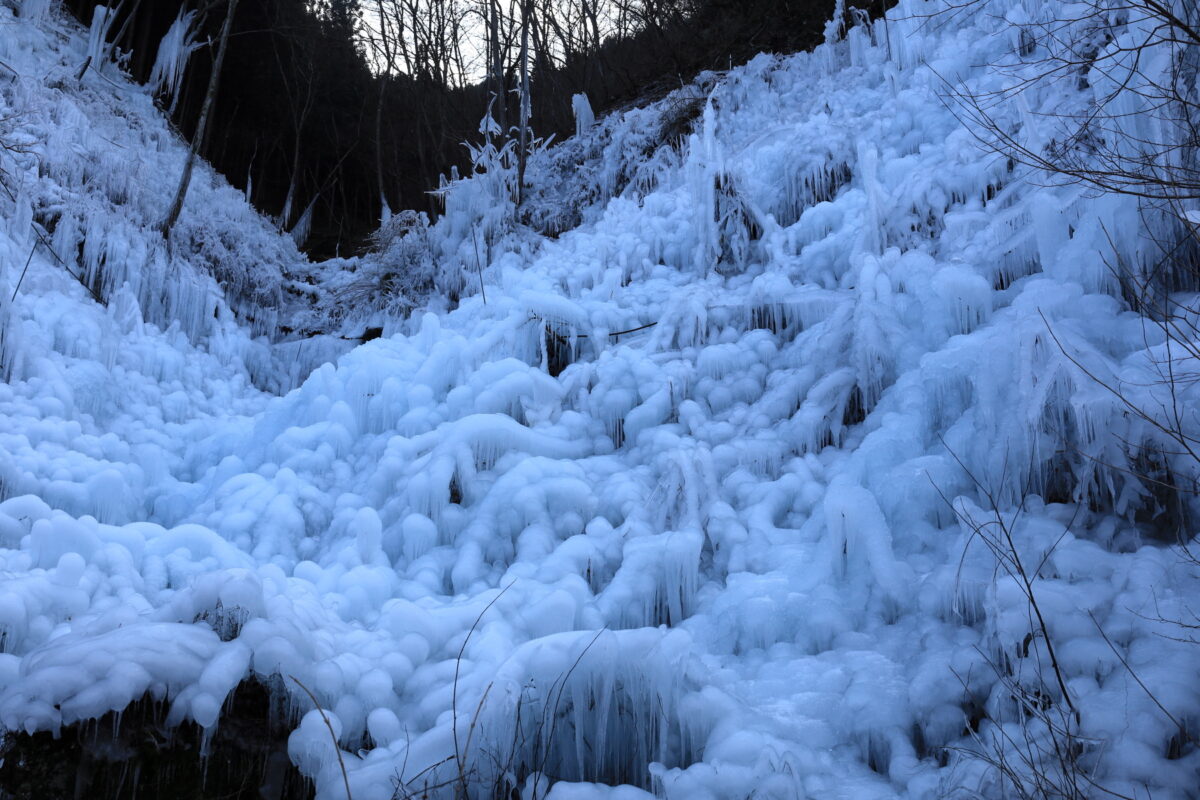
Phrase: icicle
x=835 y=32
x=102 y=21
x=703 y=168
x=20 y=225
x=835 y=27
x=34 y=9
x=584 y=117
x=303 y=227
x=600 y=711
x=174 y=51
x=873 y=236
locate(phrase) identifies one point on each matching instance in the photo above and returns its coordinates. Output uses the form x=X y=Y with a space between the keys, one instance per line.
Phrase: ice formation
x=584 y=117
x=174 y=51
x=672 y=496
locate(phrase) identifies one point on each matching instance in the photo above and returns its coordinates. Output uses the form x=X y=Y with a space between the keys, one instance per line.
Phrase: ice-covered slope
x=712 y=557
x=113 y=341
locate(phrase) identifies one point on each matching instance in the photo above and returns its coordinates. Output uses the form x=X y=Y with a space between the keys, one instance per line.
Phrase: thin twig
x=459 y=755
x=478 y=264
x=20 y=280
x=332 y=734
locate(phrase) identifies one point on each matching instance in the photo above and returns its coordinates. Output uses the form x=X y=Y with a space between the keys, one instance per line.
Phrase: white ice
x=678 y=507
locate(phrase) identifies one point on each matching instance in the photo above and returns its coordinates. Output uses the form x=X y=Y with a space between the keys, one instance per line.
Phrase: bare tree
x=202 y=126
x=297 y=76
x=383 y=43
x=1131 y=126
x=523 y=153
x=496 y=55
x=1133 y=129
x=1141 y=134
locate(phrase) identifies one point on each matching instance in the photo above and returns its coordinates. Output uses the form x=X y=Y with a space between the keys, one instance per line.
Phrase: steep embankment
x=725 y=553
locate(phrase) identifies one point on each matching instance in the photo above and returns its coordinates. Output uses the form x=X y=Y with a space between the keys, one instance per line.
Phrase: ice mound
x=690 y=504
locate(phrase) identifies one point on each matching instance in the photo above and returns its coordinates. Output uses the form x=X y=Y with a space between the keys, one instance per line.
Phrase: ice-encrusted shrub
x=399 y=275
x=680 y=112
x=564 y=185
x=604 y=718
x=481 y=219
x=610 y=709
x=246 y=268
x=738 y=225
x=625 y=153
x=482 y=205
x=33 y=9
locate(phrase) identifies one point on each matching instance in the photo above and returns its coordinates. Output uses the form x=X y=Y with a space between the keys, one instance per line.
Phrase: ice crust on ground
x=718 y=554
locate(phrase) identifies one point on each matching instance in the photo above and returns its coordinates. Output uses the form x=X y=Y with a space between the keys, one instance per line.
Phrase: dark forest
x=322 y=104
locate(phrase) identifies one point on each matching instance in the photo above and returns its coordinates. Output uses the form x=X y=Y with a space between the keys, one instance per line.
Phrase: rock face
x=135 y=754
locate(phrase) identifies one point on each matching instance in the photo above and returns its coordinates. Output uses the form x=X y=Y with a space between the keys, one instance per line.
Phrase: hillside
x=726 y=467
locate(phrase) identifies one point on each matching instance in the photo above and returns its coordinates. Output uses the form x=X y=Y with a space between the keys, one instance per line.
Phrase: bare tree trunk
x=499 y=90
x=202 y=126
x=523 y=154
x=590 y=12
x=385 y=211
x=385 y=75
x=125 y=26
x=285 y=216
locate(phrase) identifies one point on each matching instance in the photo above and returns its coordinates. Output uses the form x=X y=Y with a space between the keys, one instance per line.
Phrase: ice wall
x=690 y=504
